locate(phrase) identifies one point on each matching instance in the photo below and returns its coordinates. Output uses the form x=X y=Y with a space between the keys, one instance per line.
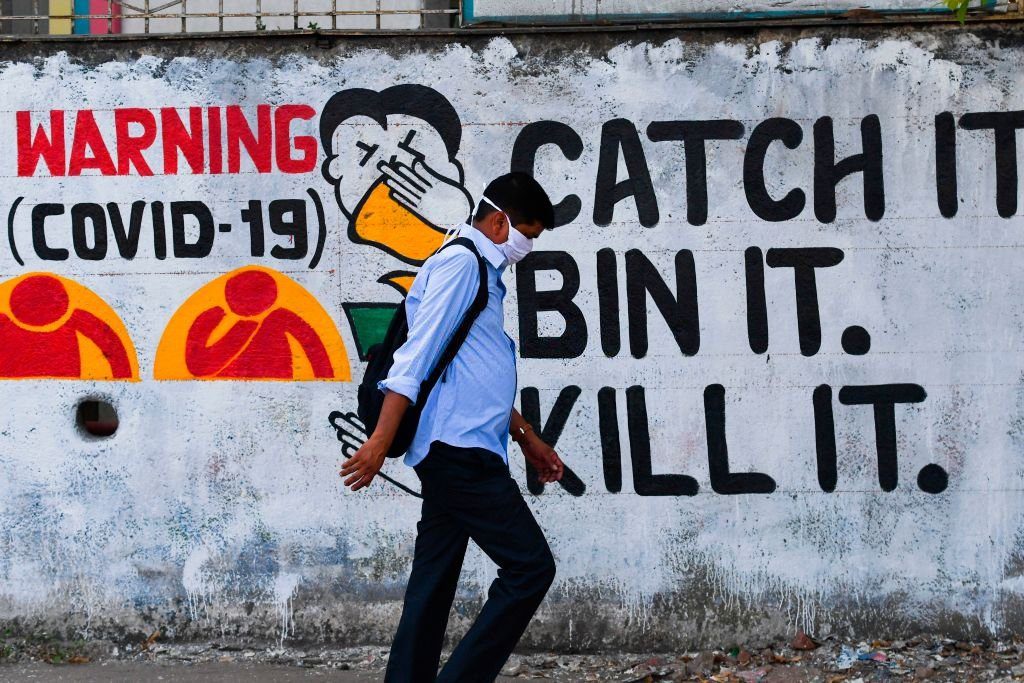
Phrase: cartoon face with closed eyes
x=392 y=162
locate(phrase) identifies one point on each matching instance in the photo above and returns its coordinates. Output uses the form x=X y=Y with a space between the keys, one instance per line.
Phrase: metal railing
x=56 y=17
x=206 y=16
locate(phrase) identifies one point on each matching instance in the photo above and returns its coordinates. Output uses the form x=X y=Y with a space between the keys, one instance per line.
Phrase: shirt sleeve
x=451 y=286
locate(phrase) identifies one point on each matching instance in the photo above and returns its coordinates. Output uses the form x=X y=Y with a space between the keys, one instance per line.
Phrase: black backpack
x=381 y=357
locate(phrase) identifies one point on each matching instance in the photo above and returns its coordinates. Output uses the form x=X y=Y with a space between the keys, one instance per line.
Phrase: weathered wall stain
x=776 y=335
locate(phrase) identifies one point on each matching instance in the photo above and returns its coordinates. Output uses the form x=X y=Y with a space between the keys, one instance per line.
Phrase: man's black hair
x=409 y=99
x=519 y=196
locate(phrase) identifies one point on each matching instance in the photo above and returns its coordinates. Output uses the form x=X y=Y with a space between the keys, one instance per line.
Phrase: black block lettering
x=40 y=212
x=803 y=261
x=945 y=164
x=127 y=240
x=1004 y=125
x=159 y=231
x=757 y=304
x=761 y=203
x=644 y=482
x=620 y=136
x=694 y=134
x=883 y=398
x=722 y=480
x=573 y=340
x=529 y=399
x=611 y=449
x=679 y=310
x=95 y=216
x=825 y=438
x=608 y=301
x=535 y=135
x=828 y=172
x=204 y=242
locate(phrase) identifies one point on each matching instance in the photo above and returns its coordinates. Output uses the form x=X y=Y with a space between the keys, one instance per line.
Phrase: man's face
x=497 y=225
x=531 y=230
x=359 y=145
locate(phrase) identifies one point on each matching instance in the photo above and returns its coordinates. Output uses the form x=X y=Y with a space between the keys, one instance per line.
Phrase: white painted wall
x=226 y=492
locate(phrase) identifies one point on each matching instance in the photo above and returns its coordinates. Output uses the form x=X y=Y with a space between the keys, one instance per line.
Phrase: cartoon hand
x=436 y=199
x=351 y=431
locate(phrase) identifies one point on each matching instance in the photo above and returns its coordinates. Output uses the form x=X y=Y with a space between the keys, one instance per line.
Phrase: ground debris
x=148 y=643
x=800 y=658
x=802 y=641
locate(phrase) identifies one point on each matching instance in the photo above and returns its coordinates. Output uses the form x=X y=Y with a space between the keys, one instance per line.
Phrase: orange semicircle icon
x=253 y=323
x=54 y=328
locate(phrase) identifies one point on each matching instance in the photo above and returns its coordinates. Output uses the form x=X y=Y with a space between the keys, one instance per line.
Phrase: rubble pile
x=804 y=660
x=801 y=660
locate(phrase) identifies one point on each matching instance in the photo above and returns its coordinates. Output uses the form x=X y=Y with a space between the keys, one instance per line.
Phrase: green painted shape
x=369 y=324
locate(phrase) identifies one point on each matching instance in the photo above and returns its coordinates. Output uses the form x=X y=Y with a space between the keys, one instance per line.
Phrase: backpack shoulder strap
x=462 y=331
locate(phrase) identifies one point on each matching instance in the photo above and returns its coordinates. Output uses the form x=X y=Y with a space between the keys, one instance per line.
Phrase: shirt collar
x=488 y=249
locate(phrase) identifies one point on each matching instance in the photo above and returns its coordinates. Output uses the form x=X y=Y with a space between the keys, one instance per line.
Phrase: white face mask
x=518 y=245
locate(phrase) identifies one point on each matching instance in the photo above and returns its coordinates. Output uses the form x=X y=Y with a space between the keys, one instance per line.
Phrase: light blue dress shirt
x=471 y=405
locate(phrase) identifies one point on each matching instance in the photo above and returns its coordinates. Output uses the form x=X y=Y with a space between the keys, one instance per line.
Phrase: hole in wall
x=96 y=417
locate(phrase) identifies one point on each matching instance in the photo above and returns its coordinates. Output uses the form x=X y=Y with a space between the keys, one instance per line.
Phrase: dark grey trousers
x=468 y=493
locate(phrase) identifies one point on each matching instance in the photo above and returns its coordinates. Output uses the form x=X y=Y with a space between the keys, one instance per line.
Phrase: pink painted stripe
x=100 y=26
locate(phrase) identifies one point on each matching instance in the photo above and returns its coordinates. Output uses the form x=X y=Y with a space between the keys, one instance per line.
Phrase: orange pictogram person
x=40 y=336
x=256 y=345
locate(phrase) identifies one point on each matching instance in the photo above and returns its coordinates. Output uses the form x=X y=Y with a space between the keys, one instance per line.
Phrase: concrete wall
x=828 y=287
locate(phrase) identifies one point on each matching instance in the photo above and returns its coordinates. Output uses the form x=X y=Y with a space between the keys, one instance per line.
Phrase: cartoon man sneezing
x=392 y=162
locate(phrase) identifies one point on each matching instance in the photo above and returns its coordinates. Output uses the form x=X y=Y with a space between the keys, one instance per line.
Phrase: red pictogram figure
x=252 y=348
x=29 y=349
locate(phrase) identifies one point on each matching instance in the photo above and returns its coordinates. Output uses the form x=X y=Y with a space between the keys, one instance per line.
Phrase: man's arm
x=542 y=456
x=451 y=285
x=364 y=464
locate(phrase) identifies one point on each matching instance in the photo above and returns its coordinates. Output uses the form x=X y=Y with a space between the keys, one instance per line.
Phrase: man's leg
x=492 y=511
x=437 y=562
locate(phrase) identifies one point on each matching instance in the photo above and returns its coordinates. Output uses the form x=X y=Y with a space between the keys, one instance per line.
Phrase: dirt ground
x=802 y=660
x=211 y=672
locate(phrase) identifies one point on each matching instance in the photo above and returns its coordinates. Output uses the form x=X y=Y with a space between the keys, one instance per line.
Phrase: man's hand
x=364 y=465
x=366 y=462
x=542 y=457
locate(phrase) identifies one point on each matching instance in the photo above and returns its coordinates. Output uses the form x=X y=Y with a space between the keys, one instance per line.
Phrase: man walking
x=460 y=453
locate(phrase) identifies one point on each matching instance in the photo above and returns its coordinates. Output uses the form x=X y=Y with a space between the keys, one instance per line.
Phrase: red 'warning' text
x=166 y=141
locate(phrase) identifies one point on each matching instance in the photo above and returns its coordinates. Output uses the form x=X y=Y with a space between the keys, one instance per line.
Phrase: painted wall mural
x=252 y=323
x=775 y=335
x=53 y=327
x=392 y=159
